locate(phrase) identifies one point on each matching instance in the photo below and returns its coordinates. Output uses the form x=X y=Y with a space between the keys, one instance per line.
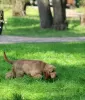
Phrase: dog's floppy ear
x=46 y=75
x=49 y=68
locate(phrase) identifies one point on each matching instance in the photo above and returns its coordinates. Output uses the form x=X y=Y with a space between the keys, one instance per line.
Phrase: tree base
x=18 y=13
x=83 y=20
x=61 y=26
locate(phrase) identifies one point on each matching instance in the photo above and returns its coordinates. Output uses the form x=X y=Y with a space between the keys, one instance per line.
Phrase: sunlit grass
x=81 y=9
x=32 y=11
x=69 y=59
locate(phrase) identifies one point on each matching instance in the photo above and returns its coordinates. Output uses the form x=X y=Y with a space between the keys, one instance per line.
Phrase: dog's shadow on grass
x=49 y=80
x=28 y=80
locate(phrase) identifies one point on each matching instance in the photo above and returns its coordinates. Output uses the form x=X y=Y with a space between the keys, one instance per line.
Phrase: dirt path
x=4 y=39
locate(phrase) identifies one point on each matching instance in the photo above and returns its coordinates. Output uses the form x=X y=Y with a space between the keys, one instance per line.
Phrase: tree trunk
x=18 y=7
x=45 y=13
x=59 y=21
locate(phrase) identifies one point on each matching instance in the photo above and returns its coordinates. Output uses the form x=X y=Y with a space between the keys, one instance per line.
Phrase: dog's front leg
x=36 y=75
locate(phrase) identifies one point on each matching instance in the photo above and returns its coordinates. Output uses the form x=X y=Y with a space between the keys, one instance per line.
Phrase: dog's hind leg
x=9 y=75
x=19 y=73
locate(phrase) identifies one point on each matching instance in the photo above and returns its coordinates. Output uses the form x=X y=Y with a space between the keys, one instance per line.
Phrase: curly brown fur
x=34 y=68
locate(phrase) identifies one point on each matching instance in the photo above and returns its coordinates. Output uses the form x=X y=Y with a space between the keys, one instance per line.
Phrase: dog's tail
x=6 y=59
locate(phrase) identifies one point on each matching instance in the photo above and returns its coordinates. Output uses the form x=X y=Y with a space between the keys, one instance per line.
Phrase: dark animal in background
x=1 y=21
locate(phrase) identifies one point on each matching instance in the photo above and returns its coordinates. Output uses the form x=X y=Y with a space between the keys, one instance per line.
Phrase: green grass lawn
x=69 y=59
x=30 y=26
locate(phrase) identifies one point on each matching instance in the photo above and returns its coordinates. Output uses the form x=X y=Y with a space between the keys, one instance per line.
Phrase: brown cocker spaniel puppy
x=34 y=68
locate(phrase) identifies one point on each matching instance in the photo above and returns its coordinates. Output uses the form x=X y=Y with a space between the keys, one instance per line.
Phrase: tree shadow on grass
x=70 y=73
x=71 y=48
x=31 y=27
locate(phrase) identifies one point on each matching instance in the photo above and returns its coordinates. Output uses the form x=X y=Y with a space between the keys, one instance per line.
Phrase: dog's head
x=51 y=75
x=50 y=72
